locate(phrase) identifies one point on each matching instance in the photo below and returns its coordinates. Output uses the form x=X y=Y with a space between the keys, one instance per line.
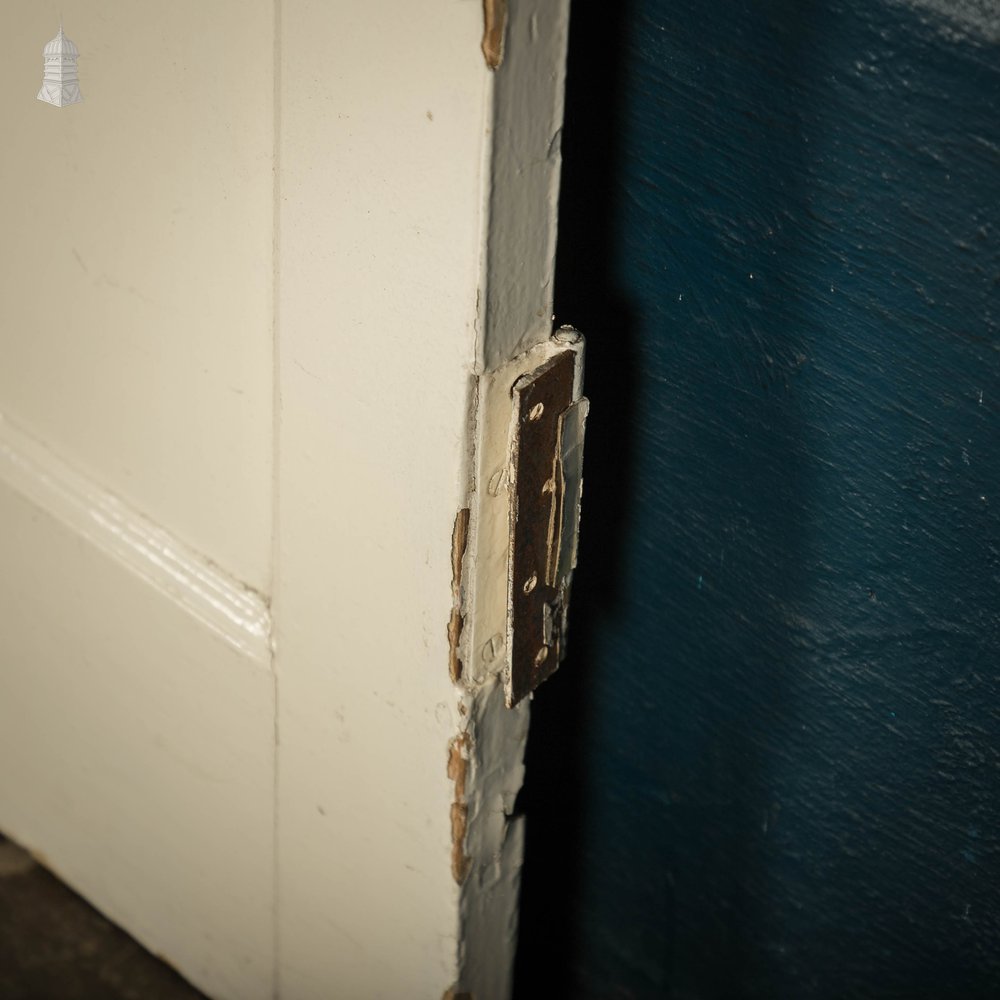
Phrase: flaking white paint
x=380 y=236
x=415 y=247
x=494 y=842
x=520 y=214
x=523 y=191
x=300 y=820
x=490 y=526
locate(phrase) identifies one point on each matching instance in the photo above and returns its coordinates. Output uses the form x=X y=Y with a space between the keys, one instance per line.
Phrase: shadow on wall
x=554 y=796
x=767 y=767
x=647 y=794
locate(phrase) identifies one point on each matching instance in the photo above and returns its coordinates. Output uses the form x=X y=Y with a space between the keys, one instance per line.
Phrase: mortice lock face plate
x=537 y=597
x=527 y=516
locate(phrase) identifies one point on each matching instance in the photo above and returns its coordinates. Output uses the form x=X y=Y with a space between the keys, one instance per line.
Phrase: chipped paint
x=494 y=29
x=459 y=753
x=493 y=838
x=523 y=183
x=512 y=319
x=459 y=541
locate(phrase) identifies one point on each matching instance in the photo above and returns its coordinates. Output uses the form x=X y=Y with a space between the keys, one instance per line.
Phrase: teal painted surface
x=774 y=749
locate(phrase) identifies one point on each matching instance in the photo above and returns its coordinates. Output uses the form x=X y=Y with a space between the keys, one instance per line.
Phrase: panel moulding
x=224 y=605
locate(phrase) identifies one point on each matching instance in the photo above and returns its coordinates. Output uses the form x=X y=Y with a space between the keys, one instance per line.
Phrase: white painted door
x=248 y=287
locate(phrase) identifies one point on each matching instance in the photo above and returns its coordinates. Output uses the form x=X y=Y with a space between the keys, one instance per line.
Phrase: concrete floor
x=55 y=946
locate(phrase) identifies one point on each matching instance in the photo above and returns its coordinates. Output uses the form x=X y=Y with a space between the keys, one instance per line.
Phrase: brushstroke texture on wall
x=776 y=742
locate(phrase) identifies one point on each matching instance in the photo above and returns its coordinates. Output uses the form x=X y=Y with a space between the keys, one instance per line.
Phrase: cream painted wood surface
x=135 y=319
x=247 y=290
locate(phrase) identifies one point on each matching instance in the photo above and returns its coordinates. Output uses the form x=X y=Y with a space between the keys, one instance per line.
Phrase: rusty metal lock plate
x=542 y=525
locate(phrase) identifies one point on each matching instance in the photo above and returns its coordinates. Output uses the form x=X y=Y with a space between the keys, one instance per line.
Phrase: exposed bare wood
x=495 y=25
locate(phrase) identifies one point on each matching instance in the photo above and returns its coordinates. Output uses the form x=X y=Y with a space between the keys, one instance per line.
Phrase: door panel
x=247 y=288
x=138 y=752
x=136 y=289
x=136 y=275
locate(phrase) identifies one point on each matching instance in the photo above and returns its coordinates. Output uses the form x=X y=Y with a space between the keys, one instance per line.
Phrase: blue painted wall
x=771 y=765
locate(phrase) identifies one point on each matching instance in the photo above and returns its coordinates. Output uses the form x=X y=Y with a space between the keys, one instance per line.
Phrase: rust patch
x=494 y=29
x=458 y=768
x=450 y=994
x=459 y=540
